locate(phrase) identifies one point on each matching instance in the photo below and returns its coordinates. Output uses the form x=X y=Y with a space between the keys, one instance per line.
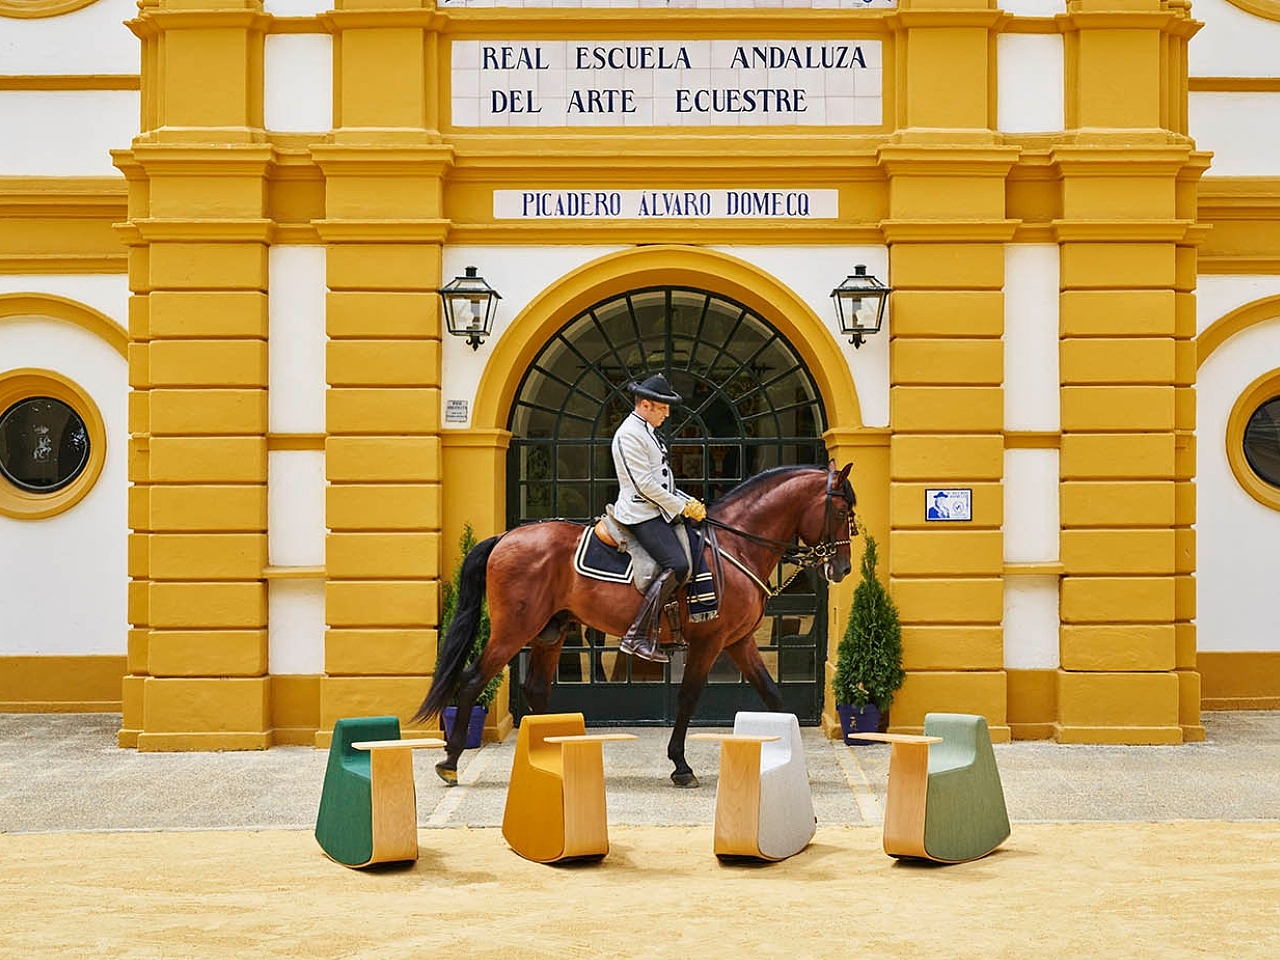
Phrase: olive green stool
x=944 y=802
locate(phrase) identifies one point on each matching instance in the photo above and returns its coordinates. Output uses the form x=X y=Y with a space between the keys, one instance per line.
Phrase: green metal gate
x=750 y=404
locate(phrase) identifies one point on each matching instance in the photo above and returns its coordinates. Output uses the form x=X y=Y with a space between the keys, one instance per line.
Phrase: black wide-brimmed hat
x=655 y=388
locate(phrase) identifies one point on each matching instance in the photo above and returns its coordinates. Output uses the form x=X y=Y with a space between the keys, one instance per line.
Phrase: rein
x=804 y=558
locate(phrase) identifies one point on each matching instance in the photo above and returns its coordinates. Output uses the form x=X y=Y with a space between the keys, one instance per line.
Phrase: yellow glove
x=694 y=510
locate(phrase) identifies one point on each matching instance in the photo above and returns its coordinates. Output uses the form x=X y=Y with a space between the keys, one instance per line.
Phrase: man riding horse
x=649 y=503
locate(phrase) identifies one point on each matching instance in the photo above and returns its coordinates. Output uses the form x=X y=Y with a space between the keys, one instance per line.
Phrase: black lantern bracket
x=469 y=305
x=860 y=301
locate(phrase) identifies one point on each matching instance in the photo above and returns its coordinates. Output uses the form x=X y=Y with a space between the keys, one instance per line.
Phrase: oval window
x=1262 y=441
x=44 y=444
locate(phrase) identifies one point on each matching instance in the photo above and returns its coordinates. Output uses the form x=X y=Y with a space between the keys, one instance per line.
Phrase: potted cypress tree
x=869 y=657
x=449 y=604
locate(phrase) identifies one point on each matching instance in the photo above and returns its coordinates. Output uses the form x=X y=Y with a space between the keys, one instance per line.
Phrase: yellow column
x=946 y=231
x=1127 y=458
x=384 y=229
x=198 y=367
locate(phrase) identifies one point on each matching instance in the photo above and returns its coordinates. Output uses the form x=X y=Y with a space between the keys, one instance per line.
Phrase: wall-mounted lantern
x=860 y=303
x=469 y=306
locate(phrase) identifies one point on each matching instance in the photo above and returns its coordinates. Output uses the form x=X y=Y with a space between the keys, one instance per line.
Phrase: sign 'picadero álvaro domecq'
x=572 y=83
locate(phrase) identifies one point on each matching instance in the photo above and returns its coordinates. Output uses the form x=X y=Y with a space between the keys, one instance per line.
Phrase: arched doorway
x=750 y=404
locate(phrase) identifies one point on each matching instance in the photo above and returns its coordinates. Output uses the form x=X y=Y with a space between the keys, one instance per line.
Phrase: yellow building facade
x=304 y=442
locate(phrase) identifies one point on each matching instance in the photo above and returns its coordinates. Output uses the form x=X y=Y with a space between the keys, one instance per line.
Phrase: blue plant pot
x=858 y=720
x=475 y=726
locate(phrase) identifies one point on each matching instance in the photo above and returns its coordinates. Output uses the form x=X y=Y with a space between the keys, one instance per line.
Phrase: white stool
x=764 y=807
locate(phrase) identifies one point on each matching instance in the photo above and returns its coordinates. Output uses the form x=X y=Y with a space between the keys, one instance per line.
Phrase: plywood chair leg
x=395 y=809
x=738 y=799
x=586 y=828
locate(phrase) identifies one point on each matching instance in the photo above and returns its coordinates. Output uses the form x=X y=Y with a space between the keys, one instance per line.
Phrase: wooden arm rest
x=895 y=737
x=413 y=743
x=738 y=737
x=590 y=738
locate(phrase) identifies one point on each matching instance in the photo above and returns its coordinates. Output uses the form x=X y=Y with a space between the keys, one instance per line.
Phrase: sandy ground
x=1079 y=890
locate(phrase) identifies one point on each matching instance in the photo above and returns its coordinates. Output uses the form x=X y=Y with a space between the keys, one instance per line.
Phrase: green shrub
x=869 y=658
x=449 y=602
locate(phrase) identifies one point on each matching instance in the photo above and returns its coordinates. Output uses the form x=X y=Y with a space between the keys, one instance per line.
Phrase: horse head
x=828 y=524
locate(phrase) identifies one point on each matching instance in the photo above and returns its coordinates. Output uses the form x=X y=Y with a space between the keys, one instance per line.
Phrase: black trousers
x=659 y=539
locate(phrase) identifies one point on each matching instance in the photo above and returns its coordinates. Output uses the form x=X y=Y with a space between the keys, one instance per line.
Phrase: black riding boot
x=641 y=638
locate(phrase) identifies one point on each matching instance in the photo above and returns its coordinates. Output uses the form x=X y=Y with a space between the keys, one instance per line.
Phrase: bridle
x=802 y=557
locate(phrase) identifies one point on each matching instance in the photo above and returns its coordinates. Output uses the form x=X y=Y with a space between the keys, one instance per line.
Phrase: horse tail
x=456 y=649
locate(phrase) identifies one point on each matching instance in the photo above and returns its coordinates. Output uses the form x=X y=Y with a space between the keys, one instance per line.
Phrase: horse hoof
x=450 y=777
x=687 y=780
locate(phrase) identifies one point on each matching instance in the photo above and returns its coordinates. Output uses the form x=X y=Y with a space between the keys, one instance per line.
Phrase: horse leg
x=473 y=681
x=696 y=668
x=544 y=660
x=746 y=655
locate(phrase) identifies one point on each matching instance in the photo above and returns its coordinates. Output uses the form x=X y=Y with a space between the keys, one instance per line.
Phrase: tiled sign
x=743 y=203
x=676 y=83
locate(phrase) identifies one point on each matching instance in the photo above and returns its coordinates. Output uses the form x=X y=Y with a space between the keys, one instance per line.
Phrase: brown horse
x=534 y=594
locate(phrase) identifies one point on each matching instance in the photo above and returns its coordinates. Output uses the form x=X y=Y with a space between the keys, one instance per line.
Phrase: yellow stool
x=555 y=801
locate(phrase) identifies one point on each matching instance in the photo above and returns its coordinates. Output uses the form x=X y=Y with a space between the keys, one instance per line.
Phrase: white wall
x=1232 y=42
x=65 y=133
x=1236 y=536
x=298 y=82
x=1031 y=396
x=1242 y=130
x=295 y=635
x=89 y=41
x=106 y=293
x=1031 y=623
x=1030 y=83
x=1216 y=296
x=296 y=328
x=63 y=580
x=295 y=508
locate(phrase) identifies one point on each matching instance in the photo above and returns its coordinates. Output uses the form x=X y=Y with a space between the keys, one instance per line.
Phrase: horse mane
x=748 y=486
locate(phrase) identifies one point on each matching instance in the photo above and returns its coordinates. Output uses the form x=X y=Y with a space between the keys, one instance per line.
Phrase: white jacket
x=646 y=488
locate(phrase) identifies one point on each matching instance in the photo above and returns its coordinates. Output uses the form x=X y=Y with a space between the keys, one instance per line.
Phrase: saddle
x=609 y=551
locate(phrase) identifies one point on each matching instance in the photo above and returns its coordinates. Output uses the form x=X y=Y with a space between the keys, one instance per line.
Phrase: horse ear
x=831 y=465
x=844 y=474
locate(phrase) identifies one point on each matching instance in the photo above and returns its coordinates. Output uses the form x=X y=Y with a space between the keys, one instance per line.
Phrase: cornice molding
x=949 y=231
x=174 y=230
x=382 y=231
x=1122 y=231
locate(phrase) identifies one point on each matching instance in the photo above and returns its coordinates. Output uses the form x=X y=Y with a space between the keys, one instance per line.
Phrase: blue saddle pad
x=596 y=559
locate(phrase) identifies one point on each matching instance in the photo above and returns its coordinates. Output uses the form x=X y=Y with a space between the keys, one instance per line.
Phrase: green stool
x=944 y=801
x=368 y=808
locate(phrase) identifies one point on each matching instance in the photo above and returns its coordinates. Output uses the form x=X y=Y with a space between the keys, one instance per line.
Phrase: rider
x=649 y=503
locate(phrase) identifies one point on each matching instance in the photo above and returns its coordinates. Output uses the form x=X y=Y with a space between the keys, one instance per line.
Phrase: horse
x=535 y=594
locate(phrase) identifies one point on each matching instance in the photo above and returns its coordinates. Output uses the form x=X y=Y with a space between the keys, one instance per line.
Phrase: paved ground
x=65 y=773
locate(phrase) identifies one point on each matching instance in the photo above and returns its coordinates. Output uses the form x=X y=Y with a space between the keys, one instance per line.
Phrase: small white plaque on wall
x=948 y=504
x=745 y=203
